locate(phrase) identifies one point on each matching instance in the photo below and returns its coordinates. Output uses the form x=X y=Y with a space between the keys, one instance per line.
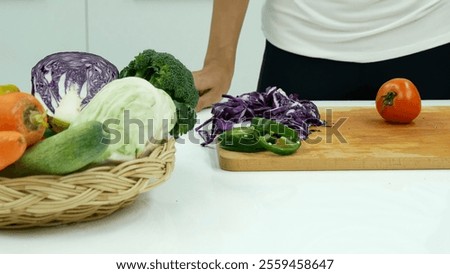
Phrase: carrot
x=23 y=113
x=12 y=147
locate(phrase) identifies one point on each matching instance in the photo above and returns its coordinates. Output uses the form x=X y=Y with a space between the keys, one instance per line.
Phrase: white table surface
x=203 y=209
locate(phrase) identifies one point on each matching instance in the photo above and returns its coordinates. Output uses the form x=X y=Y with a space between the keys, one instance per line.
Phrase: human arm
x=214 y=79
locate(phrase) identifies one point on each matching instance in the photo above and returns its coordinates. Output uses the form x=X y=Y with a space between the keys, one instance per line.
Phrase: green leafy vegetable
x=166 y=72
x=134 y=112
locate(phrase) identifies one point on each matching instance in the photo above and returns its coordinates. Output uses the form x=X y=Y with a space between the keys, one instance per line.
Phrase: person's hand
x=212 y=82
x=214 y=79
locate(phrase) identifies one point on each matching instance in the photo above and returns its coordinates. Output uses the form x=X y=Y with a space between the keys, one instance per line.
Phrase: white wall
x=118 y=30
x=32 y=29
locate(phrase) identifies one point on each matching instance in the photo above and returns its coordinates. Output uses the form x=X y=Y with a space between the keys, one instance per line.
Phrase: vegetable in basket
x=63 y=153
x=23 y=113
x=166 y=72
x=12 y=147
x=65 y=82
x=4 y=89
x=134 y=112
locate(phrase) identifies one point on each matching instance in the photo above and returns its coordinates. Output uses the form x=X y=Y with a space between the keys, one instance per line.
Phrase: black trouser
x=323 y=79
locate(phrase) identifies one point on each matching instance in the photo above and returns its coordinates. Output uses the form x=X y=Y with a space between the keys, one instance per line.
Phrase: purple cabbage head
x=55 y=74
x=273 y=104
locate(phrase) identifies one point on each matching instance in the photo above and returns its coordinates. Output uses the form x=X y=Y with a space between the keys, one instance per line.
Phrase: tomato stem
x=388 y=98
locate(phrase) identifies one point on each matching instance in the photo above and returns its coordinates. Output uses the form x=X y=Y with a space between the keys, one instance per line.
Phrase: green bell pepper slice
x=281 y=146
x=242 y=139
x=266 y=126
x=262 y=134
x=276 y=137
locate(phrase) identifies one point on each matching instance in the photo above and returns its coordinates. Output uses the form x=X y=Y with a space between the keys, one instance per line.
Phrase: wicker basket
x=37 y=201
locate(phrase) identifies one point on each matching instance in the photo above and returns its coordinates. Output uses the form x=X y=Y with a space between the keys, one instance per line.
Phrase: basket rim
x=48 y=200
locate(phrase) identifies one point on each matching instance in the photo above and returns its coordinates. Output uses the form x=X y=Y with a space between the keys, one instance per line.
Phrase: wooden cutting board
x=359 y=139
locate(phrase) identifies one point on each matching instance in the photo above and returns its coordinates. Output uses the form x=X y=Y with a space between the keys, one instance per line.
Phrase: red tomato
x=398 y=101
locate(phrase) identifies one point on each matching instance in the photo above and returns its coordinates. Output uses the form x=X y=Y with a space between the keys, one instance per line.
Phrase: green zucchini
x=63 y=153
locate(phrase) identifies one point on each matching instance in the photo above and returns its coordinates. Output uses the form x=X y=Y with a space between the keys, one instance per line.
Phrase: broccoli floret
x=166 y=72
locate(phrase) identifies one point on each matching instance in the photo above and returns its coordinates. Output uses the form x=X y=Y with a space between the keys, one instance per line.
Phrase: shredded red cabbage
x=273 y=104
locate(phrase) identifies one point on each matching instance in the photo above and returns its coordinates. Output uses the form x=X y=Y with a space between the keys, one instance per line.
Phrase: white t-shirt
x=356 y=30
